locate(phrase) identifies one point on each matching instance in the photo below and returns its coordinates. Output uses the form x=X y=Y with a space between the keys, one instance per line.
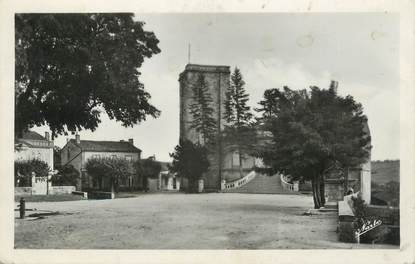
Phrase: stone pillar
x=200 y=186
x=295 y=185
x=365 y=184
x=222 y=185
x=333 y=191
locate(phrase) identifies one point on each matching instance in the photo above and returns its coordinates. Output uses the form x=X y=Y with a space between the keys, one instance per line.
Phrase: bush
x=145 y=169
x=386 y=193
x=111 y=169
x=380 y=234
x=23 y=171
x=190 y=161
x=66 y=176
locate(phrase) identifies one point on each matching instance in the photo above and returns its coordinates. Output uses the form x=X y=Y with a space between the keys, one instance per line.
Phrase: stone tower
x=217 y=79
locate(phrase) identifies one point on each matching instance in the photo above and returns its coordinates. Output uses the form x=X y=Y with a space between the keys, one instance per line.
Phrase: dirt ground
x=182 y=221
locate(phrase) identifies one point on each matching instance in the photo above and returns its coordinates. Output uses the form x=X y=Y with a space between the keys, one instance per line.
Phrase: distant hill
x=385 y=171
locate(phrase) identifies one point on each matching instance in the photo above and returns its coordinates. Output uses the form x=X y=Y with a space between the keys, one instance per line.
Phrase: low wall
x=22 y=190
x=100 y=195
x=83 y=194
x=61 y=189
x=52 y=190
x=153 y=185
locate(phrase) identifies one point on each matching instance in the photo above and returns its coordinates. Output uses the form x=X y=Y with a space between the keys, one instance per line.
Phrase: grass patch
x=49 y=198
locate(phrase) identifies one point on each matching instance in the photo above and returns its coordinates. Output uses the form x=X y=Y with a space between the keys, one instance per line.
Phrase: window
x=113 y=156
x=235 y=159
x=128 y=157
x=96 y=156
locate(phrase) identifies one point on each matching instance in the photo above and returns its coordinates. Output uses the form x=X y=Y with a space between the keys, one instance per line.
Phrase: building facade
x=34 y=146
x=76 y=152
x=224 y=163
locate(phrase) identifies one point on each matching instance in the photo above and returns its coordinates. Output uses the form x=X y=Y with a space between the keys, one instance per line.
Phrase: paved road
x=181 y=221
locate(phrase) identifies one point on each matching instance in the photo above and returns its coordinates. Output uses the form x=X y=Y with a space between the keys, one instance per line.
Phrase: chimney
x=131 y=141
x=47 y=136
x=78 y=138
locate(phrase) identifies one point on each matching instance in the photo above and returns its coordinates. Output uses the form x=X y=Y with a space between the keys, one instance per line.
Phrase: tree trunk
x=116 y=186
x=192 y=185
x=240 y=164
x=144 y=183
x=316 y=191
x=322 y=192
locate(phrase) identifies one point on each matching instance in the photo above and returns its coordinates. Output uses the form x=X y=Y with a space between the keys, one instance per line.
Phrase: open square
x=182 y=221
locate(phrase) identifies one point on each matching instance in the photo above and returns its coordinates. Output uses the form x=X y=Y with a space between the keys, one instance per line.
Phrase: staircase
x=261 y=183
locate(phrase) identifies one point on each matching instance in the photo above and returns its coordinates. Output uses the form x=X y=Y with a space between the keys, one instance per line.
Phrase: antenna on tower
x=188 y=54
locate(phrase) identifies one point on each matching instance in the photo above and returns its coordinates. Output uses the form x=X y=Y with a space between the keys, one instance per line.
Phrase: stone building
x=34 y=146
x=76 y=152
x=224 y=164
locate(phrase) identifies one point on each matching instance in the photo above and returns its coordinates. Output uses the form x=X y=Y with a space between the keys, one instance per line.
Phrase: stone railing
x=293 y=187
x=240 y=182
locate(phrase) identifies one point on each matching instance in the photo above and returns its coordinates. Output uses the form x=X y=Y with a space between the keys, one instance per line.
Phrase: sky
x=359 y=50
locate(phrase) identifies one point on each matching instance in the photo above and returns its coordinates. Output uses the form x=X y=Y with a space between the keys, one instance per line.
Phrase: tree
x=202 y=111
x=71 y=67
x=269 y=105
x=112 y=170
x=23 y=171
x=239 y=131
x=314 y=132
x=147 y=168
x=67 y=175
x=190 y=161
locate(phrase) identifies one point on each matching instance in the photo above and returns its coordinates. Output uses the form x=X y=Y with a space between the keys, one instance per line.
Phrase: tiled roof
x=32 y=135
x=107 y=146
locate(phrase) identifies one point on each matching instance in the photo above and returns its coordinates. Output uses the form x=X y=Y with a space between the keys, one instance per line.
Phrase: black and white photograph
x=208 y=131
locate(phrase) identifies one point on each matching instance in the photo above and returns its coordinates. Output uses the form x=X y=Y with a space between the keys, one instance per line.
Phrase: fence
x=288 y=186
x=240 y=182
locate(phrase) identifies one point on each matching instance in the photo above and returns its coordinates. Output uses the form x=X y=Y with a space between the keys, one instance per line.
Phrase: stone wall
x=61 y=189
x=35 y=149
x=22 y=190
x=221 y=161
x=217 y=79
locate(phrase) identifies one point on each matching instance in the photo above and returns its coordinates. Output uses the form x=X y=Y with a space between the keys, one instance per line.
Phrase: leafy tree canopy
x=202 y=111
x=239 y=133
x=237 y=112
x=69 y=67
x=113 y=169
x=148 y=168
x=313 y=132
x=189 y=161
x=24 y=169
x=67 y=175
